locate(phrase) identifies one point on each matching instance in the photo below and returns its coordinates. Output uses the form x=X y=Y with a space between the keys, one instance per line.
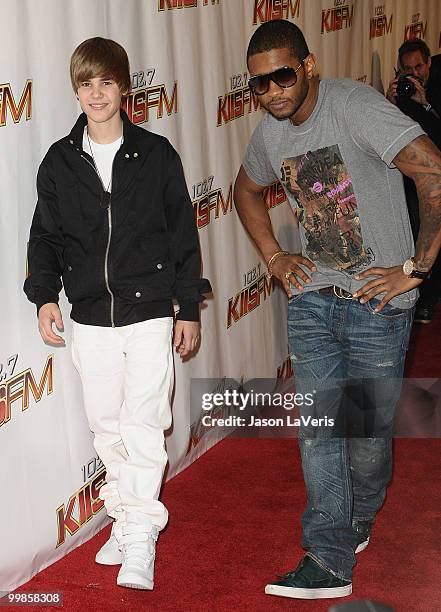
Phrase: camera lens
x=405 y=87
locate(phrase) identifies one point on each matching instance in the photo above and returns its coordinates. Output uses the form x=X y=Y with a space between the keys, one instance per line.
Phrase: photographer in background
x=416 y=90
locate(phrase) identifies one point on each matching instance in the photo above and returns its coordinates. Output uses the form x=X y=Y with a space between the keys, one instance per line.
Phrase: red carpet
x=424 y=355
x=235 y=523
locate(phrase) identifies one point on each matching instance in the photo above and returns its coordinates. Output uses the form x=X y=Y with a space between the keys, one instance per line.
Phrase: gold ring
x=287 y=275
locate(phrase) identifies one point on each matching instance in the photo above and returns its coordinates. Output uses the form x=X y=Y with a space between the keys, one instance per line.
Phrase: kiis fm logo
x=338 y=17
x=83 y=505
x=379 y=25
x=258 y=287
x=268 y=10
x=145 y=96
x=285 y=370
x=416 y=29
x=7 y=101
x=197 y=428
x=274 y=195
x=206 y=199
x=238 y=101
x=22 y=385
x=285 y=375
x=169 y=5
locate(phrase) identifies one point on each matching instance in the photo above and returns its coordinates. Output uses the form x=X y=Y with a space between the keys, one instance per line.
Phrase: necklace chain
x=96 y=165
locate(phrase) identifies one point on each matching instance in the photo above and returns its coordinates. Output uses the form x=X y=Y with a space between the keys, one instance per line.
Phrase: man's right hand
x=287 y=269
x=391 y=93
x=48 y=314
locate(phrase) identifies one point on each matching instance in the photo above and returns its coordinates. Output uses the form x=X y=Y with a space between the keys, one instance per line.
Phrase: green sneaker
x=362 y=530
x=309 y=581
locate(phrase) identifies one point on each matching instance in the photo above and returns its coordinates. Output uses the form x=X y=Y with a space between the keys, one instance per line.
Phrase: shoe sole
x=131 y=582
x=296 y=593
x=361 y=546
x=134 y=581
x=133 y=585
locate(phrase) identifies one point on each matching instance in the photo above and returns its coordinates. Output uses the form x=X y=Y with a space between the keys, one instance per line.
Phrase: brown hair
x=100 y=57
x=411 y=45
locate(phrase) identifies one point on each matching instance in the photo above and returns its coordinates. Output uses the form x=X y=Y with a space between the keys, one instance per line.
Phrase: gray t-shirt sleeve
x=256 y=162
x=376 y=125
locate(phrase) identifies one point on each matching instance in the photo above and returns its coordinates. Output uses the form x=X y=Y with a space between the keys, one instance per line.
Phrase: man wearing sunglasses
x=338 y=147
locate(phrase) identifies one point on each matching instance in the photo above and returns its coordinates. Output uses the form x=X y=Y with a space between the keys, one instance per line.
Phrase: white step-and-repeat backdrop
x=190 y=84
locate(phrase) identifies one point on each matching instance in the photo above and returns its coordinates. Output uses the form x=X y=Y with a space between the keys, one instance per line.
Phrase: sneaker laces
x=138 y=544
x=138 y=554
x=292 y=573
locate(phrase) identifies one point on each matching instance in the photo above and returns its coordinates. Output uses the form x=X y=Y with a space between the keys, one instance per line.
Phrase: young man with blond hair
x=115 y=222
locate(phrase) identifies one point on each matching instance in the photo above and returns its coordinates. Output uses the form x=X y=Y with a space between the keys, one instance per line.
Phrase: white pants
x=127 y=378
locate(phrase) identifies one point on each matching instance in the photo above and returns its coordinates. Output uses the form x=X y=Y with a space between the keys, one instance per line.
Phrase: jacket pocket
x=137 y=258
x=82 y=279
x=157 y=283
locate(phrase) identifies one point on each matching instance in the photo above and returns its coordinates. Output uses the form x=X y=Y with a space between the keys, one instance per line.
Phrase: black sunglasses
x=283 y=77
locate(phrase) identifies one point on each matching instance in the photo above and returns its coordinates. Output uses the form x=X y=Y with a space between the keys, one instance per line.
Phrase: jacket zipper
x=106 y=257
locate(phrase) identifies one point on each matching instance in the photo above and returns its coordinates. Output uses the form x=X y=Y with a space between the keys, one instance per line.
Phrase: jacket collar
x=130 y=143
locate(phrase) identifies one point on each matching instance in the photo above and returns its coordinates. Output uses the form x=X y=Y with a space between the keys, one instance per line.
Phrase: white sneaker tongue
x=139 y=548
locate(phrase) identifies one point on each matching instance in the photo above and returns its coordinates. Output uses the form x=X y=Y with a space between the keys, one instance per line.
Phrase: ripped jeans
x=351 y=361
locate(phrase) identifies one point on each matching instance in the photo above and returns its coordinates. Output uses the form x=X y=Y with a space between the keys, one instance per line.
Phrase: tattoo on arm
x=421 y=161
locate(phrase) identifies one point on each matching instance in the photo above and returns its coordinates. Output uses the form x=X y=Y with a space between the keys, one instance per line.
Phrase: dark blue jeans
x=345 y=355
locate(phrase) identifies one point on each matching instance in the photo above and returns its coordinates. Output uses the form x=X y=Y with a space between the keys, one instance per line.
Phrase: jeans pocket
x=388 y=311
x=296 y=297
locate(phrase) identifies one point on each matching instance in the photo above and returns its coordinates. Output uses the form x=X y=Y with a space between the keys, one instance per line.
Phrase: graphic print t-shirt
x=322 y=187
x=337 y=171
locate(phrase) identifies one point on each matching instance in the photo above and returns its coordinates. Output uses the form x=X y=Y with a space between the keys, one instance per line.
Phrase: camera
x=405 y=87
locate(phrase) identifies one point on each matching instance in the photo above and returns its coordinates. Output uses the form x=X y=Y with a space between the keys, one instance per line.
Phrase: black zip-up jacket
x=121 y=261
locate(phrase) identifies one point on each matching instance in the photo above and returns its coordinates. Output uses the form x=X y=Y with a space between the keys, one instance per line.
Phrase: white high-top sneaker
x=137 y=544
x=110 y=554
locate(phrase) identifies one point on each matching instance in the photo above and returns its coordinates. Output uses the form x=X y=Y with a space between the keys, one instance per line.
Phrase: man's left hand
x=391 y=281
x=186 y=336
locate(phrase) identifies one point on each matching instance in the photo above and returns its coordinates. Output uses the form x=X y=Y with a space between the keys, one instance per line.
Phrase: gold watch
x=410 y=270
